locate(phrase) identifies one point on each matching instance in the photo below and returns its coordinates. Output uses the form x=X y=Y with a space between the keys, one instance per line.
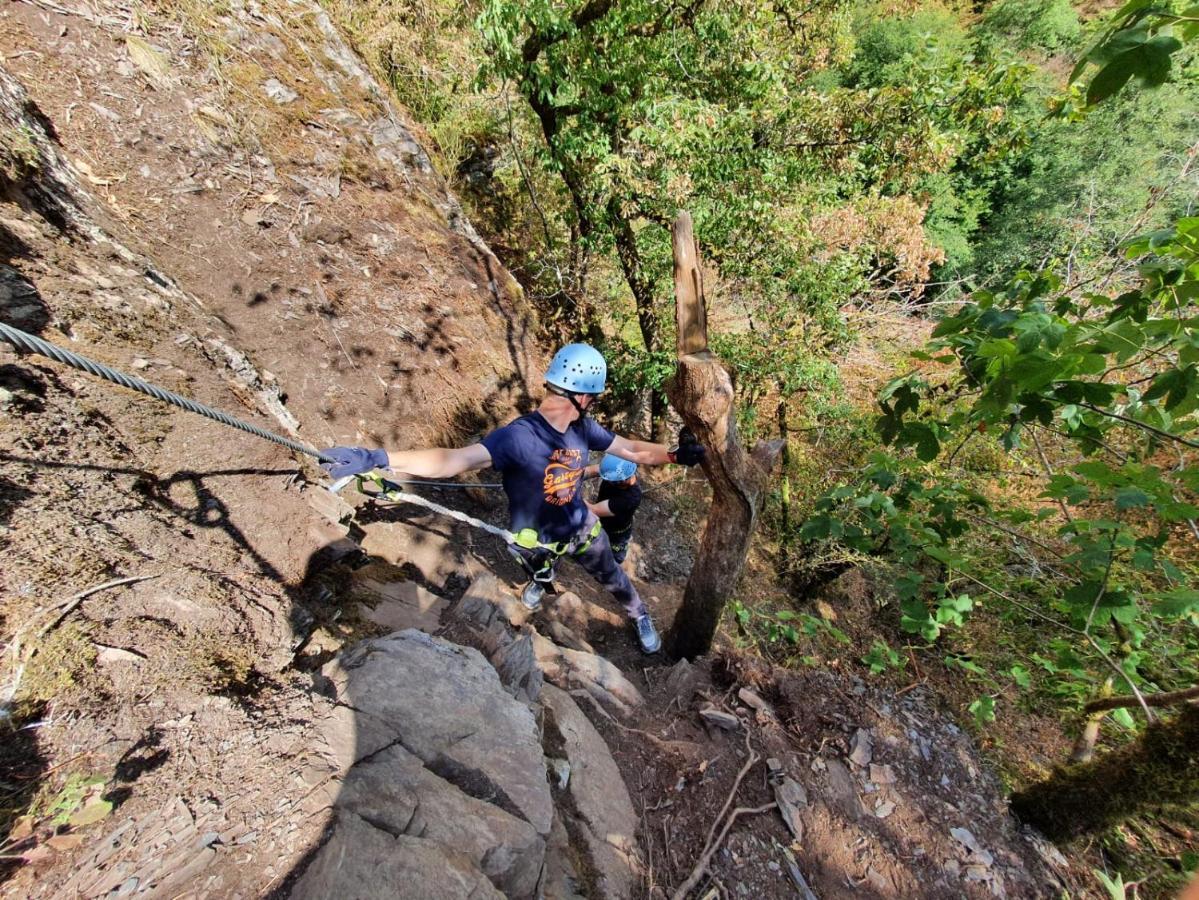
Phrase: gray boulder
x=445 y=704
x=362 y=862
x=602 y=819
x=442 y=772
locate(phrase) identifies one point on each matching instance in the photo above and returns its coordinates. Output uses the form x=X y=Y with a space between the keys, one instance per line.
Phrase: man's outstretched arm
x=437 y=462
x=646 y=453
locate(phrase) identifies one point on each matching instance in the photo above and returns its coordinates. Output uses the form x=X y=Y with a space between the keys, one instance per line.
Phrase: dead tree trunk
x=702 y=393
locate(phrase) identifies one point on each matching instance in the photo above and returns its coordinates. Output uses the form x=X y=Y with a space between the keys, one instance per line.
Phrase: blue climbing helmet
x=578 y=369
x=613 y=468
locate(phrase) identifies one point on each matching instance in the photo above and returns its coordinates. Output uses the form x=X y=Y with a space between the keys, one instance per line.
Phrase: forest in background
x=954 y=261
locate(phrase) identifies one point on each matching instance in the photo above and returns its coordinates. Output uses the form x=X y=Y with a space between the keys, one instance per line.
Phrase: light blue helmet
x=613 y=468
x=579 y=369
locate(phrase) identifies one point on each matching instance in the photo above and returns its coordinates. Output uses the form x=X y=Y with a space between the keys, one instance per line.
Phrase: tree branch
x=538 y=41
x=1139 y=424
x=1169 y=699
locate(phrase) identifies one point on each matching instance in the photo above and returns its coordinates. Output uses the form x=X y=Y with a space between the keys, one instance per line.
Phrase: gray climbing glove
x=353 y=460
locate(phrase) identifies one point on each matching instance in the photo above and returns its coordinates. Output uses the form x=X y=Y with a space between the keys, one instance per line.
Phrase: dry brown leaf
x=99 y=180
x=62 y=842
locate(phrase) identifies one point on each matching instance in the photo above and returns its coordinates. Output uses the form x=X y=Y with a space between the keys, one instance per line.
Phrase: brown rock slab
x=842 y=795
x=579 y=614
x=435 y=557
x=396 y=605
x=328 y=504
x=681 y=680
x=726 y=721
x=790 y=796
x=862 y=750
x=569 y=668
x=487 y=599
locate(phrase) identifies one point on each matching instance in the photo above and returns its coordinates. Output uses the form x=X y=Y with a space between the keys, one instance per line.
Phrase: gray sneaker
x=531 y=595
x=647 y=634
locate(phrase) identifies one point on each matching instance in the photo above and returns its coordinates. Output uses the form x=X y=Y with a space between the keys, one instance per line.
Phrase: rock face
x=491 y=611
x=362 y=862
x=443 y=773
x=602 y=820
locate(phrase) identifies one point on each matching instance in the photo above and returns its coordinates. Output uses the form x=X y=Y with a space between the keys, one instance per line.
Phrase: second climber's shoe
x=531 y=595
x=647 y=634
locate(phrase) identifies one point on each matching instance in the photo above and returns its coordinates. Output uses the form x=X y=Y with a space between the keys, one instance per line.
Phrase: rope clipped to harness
x=390 y=492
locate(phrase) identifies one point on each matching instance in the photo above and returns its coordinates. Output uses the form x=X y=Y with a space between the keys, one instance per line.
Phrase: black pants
x=620 y=543
x=597 y=560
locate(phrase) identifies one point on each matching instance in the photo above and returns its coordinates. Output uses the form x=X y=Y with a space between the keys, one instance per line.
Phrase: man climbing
x=542 y=457
x=617 y=501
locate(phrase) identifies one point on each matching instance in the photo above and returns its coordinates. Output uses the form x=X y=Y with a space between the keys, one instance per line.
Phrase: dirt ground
x=882 y=828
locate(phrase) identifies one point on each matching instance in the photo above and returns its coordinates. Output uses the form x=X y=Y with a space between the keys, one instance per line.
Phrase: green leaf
x=1131 y=497
x=1020 y=676
x=1116 y=889
x=1124 y=717
x=93 y=812
x=815 y=528
x=1111 y=78
x=925 y=440
x=1179 y=602
x=926 y=627
x=983 y=710
x=1082 y=596
x=1148 y=60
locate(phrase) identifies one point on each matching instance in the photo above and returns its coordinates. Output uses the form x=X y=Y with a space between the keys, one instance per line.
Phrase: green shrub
x=1049 y=25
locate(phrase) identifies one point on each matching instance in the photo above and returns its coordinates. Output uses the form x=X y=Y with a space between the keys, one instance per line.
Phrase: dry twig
x=702 y=866
x=70 y=604
x=710 y=845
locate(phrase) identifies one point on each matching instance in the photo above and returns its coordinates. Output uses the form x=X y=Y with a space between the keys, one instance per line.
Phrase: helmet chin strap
x=569 y=395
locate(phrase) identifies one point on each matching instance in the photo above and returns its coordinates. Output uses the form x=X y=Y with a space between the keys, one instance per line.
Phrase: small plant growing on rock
x=19 y=156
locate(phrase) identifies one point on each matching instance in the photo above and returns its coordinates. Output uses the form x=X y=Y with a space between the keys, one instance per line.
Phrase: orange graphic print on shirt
x=562 y=476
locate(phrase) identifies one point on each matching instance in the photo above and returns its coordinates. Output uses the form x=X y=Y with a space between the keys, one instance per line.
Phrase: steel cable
x=20 y=339
x=29 y=342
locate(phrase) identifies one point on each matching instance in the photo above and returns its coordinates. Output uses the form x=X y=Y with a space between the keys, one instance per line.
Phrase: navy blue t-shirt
x=542 y=470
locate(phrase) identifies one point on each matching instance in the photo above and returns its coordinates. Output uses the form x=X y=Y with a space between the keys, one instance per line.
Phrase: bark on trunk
x=1158 y=771
x=702 y=393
